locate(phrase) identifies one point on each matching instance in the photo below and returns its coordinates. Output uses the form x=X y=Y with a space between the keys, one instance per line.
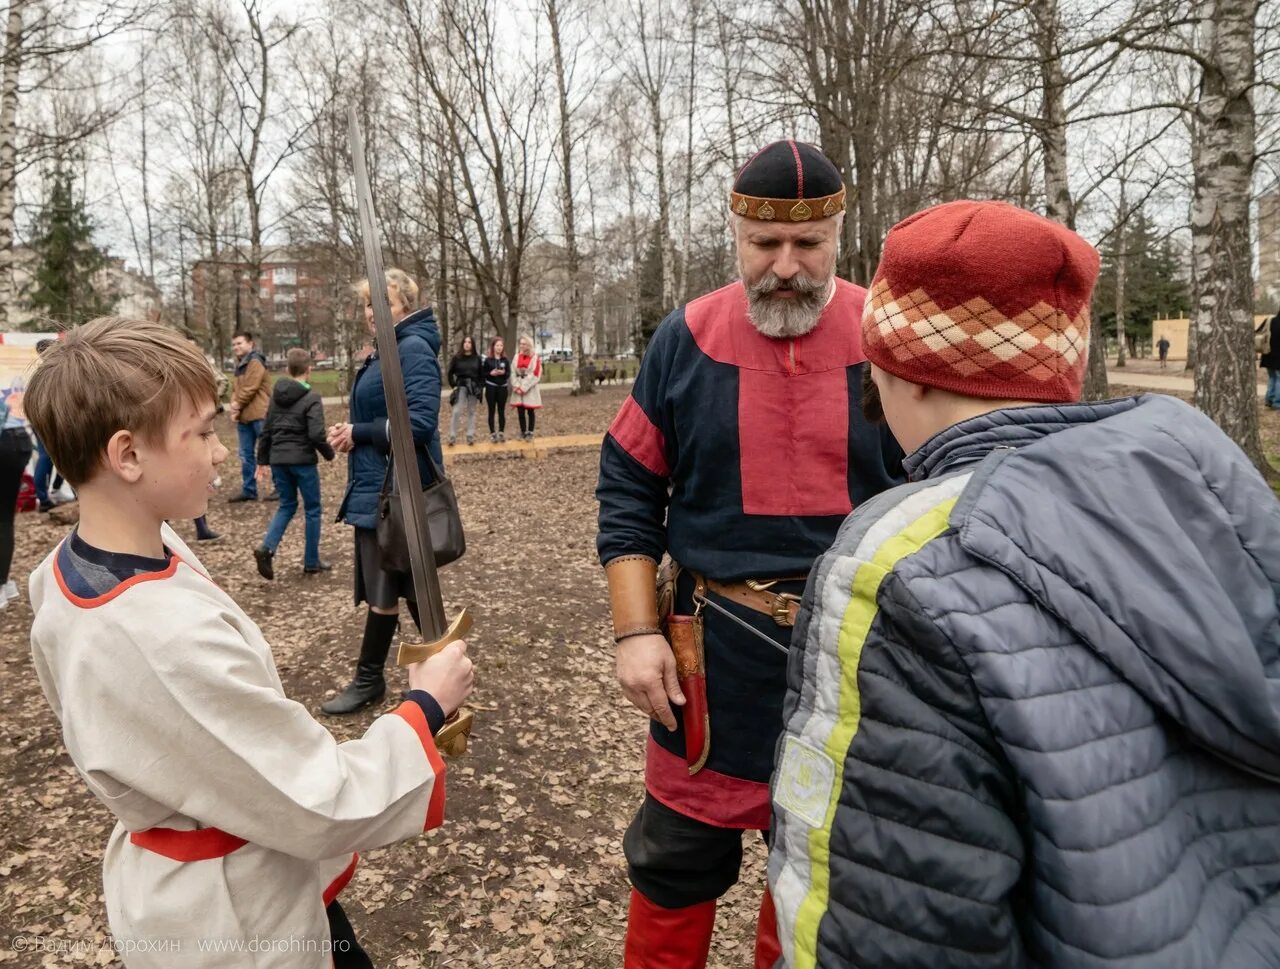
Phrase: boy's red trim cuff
x=413 y=715
x=338 y=884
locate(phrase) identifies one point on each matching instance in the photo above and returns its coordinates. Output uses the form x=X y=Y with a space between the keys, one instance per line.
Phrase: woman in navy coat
x=366 y=440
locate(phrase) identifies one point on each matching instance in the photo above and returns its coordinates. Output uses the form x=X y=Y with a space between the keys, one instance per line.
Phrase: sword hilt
x=417 y=652
x=452 y=738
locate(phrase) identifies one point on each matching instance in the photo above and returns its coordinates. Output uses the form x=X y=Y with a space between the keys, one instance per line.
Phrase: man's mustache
x=770 y=282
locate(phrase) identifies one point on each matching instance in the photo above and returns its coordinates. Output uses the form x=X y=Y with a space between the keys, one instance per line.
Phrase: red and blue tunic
x=740 y=455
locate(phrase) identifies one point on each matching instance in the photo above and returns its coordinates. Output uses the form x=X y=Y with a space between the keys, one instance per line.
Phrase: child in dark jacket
x=293 y=433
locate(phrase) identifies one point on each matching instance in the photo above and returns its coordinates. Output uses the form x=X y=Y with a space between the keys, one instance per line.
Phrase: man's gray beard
x=786 y=317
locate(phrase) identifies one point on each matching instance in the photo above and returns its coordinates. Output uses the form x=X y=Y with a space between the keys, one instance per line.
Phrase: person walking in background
x=496 y=370
x=293 y=434
x=203 y=532
x=250 y=394
x=1270 y=360
x=15 y=454
x=528 y=398
x=366 y=441
x=43 y=474
x=1162 y=347
x=466 y=381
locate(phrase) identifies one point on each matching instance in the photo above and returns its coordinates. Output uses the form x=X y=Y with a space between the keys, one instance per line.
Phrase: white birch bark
x=1225 y=373
x=8 y=152
x=573 y=260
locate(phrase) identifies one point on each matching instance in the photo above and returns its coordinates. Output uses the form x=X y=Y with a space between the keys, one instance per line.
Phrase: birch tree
x=41 y=40
x=1224 y=159
x=248 y=55
x=568 y=213
x=648 y=63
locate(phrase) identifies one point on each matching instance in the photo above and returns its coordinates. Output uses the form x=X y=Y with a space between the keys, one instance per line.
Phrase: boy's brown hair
x=298 y=360
x=111 y=374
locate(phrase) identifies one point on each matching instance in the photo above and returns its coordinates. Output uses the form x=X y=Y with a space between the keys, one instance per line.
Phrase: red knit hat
x=984 y=299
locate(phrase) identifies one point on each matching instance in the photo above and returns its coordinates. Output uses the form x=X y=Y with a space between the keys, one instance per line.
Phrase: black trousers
x=496 y=397
x=15 y=452
x=347 y=953
x=532 y=416
x=675 y=860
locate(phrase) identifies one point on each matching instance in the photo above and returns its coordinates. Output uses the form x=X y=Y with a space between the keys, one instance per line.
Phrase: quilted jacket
x=418 y=343
x=1033 y=709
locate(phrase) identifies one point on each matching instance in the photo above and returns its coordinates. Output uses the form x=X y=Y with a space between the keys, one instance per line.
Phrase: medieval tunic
x=739 y=455
x=238 y=815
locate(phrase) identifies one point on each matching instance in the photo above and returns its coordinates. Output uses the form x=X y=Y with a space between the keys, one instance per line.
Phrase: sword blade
x=426 y=581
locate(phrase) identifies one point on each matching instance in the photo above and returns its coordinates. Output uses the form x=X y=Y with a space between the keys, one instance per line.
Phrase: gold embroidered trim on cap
x=795 y=210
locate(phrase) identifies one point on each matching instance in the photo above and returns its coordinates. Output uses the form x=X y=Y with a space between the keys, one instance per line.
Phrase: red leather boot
x=668 y=938
x=768 y=948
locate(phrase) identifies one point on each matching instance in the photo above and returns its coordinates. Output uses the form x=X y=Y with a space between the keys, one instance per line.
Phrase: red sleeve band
x=640 y=438
x=413 y=715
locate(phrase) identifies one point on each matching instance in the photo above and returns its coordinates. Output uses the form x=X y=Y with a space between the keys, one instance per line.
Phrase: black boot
x=366 y=688
x=368 y=685
x=263 y=556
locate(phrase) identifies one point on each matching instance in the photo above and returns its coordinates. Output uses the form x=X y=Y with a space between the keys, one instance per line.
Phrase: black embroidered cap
x=788 y=181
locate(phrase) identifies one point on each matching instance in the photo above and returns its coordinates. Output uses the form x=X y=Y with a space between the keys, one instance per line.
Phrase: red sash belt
x=199 y=845
x=207 y=843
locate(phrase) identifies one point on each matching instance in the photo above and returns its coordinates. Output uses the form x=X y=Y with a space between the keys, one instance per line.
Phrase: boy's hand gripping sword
x=439 y=632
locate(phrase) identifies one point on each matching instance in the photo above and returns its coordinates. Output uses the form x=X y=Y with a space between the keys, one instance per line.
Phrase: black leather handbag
x=444 y=522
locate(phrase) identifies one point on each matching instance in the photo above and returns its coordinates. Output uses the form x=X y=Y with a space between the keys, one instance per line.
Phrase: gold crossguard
x=452 y=738
x=417 y=652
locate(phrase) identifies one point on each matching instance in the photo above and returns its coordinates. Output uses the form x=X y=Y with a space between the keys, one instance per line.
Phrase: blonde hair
x=399 y=282
x=112 y=374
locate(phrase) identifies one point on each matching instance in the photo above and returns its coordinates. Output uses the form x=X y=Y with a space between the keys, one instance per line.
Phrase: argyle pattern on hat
x=983 y=299
x=1039 y=347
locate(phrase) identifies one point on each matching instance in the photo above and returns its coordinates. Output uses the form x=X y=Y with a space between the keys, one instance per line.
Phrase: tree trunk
x=1053 y=113
x=664 y=201
x=1225 y=378
x=8 y=153
x=443 y=310
x=581 y=376
x=686 y=234
x=1052 y=131
x=1120 y=270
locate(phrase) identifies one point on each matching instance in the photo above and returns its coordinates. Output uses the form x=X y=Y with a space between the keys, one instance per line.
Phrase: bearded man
x=739 y=452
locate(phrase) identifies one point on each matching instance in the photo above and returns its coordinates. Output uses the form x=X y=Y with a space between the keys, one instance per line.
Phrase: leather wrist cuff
x=633 y=597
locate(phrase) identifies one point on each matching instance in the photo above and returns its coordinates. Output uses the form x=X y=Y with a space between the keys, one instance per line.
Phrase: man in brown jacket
x=250 y=394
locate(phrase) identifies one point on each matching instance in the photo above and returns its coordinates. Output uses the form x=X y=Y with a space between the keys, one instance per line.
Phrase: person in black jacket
x=294 y=431
x=1271 y=362
x=496 y=371
x=464 y=378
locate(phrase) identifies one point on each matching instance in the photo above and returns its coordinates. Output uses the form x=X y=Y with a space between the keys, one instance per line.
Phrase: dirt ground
x=527 y=869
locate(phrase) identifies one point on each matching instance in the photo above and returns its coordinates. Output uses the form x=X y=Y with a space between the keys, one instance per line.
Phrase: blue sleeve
x=421 y=371
x=374 y=433
x=422 y=388
x=430 y=709
x=636 y=458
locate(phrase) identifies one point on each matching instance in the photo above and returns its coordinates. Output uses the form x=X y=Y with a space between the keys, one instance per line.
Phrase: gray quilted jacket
x=1033 y=716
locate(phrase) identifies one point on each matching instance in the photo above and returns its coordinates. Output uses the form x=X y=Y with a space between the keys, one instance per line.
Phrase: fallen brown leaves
x=527 y=870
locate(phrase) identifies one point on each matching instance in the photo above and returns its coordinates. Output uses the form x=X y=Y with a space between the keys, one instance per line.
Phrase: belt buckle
x=781 y=607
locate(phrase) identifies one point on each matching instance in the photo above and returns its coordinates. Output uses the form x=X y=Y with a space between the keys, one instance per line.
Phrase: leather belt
x=758 y=594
